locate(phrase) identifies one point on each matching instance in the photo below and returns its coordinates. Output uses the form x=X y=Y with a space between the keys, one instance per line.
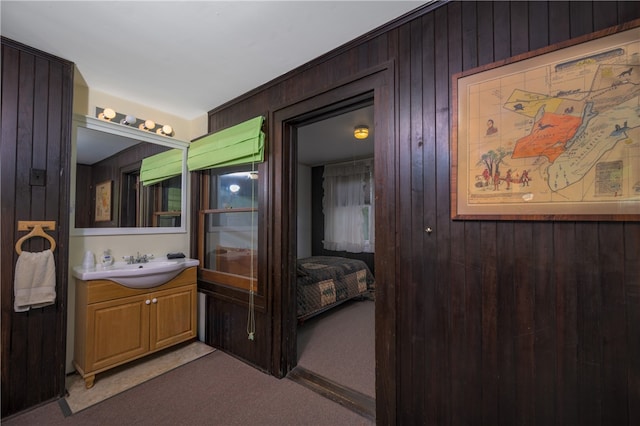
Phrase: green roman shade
x=240 y=144
x=174 y=199
x=159 y=167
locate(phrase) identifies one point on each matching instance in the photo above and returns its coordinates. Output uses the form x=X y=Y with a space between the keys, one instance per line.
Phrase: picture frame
x=103 y=201
x=552 y=134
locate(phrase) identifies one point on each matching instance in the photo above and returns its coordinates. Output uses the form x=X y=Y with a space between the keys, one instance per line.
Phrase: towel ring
x=37 y=231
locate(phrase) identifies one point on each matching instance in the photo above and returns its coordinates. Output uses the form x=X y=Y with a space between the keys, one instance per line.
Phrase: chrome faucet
x=137 y=259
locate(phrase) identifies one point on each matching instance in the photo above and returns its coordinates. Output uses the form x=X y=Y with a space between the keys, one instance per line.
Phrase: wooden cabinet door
x=117 y=330
x=173 y=316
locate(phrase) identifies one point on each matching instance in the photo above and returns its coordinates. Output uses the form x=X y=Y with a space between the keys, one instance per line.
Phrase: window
x=227 y=162
x=348 y=207
x=164 y=201
x=154 y=205
x=229 y=227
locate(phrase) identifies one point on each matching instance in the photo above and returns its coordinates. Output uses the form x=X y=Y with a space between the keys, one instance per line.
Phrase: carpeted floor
x=340 y=345
x=216 y=389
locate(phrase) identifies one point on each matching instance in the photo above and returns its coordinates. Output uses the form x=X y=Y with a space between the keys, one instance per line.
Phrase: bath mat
x=119 y=379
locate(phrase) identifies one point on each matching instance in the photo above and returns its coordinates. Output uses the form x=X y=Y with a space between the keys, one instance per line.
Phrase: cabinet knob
x=148 y=302
x=154 y=300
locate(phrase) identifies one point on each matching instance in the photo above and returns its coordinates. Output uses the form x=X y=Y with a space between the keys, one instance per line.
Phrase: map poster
x=551 y=135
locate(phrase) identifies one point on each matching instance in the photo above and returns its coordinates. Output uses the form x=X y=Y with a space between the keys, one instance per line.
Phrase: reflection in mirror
x=111 y=197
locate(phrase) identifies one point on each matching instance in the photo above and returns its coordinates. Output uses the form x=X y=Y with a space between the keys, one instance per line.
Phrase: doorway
x=335 y=311
x=376 y=83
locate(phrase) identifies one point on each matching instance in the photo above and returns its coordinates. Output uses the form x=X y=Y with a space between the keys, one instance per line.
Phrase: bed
x=327 y=281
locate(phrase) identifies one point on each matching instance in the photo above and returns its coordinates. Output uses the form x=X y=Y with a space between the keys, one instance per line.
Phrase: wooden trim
x=36 y=52
x=232 y=295
x=355 y=401
x=378 y=83
x=238 y=210
x=232 y=280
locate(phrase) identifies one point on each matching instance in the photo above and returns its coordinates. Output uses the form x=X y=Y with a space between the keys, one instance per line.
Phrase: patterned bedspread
x=326 y=281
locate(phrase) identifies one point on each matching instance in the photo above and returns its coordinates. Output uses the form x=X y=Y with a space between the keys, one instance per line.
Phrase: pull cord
x=251 y=316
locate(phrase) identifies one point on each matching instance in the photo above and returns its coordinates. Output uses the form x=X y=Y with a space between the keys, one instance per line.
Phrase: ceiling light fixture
x=361 y=132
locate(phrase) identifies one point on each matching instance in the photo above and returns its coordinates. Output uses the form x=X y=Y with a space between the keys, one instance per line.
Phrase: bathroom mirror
x=108 y=196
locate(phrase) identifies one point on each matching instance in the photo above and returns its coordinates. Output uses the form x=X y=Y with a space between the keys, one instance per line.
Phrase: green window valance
x=159 y=167
x=240 y=144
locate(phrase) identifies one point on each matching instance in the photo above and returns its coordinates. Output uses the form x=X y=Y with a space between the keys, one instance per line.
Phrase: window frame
x=368 y=192
x=230 y=286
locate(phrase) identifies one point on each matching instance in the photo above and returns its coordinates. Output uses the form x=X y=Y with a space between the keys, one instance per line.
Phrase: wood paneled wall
x=498 y=322
x=110 y=169
x=36 y=122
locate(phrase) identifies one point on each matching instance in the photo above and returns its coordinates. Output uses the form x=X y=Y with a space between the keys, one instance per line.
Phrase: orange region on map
x=548 y=137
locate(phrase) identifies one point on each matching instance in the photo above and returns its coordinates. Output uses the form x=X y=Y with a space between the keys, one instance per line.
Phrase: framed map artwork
x=552 y=134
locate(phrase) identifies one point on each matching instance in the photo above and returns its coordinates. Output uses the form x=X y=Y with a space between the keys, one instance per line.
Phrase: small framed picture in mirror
x=103 y=201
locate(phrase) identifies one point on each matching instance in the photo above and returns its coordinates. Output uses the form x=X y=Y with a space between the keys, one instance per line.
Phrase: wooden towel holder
x=37 y=230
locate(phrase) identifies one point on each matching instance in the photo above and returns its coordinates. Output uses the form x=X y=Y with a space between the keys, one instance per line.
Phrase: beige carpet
x=339 y=345
x=125 y=377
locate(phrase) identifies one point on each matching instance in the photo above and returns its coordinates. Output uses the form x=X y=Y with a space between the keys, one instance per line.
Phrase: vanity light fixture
x=107 y=114
x=361 y=132
x=128 y=120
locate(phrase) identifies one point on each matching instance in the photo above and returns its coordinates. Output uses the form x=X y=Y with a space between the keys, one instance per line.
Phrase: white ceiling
x=188 y=57
x=332 y=139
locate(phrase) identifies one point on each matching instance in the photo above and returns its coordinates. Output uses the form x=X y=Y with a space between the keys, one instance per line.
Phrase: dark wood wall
x=85 y=197
x=108 y=170
x=36 y=122
x=497 y=322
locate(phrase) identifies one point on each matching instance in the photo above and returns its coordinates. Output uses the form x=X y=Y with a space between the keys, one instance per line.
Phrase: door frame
x=378 y=83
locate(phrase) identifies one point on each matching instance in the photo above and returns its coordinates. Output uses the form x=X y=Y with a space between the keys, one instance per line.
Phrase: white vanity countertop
x=120 y=271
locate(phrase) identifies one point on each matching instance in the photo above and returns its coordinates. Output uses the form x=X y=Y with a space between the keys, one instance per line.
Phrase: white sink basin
x=137 y=275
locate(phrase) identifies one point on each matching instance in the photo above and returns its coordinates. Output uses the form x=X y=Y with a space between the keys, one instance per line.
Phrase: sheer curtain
x=348 y=207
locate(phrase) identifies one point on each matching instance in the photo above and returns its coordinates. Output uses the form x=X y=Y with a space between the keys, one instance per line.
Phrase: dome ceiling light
x=361 y=132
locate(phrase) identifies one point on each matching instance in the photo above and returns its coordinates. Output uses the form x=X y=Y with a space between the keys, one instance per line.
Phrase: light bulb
x=109 y=113
x=165 y=130
x=128 y=120
x=147 y=125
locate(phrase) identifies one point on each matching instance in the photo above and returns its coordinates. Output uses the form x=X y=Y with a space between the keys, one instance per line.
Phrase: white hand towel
x=34 y=280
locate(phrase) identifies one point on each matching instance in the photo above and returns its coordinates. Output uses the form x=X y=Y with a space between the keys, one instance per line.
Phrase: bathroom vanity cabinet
x=115 y=324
